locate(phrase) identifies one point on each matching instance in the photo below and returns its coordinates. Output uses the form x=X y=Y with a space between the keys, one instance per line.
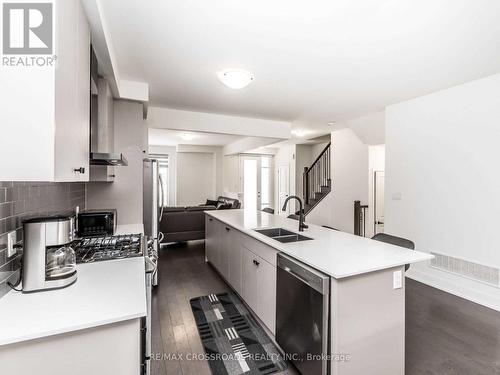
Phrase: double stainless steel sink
x=282 y=235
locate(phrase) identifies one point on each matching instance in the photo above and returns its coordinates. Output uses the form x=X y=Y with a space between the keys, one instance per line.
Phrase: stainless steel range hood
x=103 y=158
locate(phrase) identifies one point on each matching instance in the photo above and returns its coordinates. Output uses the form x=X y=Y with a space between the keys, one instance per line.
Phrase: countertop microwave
x=93 y=223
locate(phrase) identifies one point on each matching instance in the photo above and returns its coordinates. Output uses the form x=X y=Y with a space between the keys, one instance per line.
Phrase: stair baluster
x=317 y=180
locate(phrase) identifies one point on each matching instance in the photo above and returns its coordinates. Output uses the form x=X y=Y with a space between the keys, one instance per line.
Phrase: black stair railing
x=360 y=213
x=317 y=178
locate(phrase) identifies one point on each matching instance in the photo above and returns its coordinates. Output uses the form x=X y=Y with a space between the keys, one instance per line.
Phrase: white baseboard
x=443 y=282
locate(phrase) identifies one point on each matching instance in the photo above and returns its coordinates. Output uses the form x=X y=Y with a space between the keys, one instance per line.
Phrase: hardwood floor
x=445 y=335
x=183 y=275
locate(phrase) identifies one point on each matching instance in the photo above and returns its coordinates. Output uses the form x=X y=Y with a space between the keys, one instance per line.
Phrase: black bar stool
x=393 y=240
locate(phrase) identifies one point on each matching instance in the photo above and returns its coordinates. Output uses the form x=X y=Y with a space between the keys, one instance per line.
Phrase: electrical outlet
x=397 y=279
x=11 y=241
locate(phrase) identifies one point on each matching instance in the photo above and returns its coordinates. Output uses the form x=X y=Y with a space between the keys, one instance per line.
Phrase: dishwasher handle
x=291 y=272
x=304 y=273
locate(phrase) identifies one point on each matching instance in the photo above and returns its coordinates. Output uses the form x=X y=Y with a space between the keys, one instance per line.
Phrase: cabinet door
x=226 y=249
x=249 y=287
x=82 y=120
x=266 y=285
x=210 y=237
x=72 y=93
x=236 y=264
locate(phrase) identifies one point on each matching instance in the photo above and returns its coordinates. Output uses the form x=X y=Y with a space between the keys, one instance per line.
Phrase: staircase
x=317 y=181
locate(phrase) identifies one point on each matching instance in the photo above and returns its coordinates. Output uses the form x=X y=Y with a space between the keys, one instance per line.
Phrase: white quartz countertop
x=335 y=253
x=105 y=292
x=129 y=229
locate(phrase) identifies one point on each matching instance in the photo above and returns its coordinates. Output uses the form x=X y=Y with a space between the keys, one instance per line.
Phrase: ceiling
x=314 y=62
x=163 y=137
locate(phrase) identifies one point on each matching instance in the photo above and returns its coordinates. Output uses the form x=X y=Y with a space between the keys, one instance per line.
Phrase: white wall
x=303 y=158
x=442 y=157
x=284 y=156
x=171 y=152
x=217 y=170
x=322 y=214
x=369 y=128
x=232 y=181
x=125 y=193
x=195 y=178
x=349 y=177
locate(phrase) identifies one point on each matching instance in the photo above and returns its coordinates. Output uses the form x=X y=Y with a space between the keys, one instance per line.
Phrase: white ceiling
x=314 y=61
x=164 y=137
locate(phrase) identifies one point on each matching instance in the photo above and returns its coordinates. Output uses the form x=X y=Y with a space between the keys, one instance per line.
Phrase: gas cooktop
x=94 y=249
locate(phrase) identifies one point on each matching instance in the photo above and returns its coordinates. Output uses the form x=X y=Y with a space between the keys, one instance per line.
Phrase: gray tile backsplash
x=20 y=199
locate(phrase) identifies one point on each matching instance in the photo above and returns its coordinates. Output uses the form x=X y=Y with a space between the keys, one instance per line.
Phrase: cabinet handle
x=256 y=263
x=210 y=219
x=112 y=176
x=228 y=229
x=79 y=170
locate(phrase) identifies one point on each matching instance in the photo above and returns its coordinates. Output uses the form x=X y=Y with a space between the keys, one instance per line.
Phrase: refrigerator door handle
x=160 y=198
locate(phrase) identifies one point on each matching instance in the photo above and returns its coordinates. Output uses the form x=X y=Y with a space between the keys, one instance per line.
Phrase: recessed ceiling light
x=187 y=136
x=235 y=78
x=331 y=123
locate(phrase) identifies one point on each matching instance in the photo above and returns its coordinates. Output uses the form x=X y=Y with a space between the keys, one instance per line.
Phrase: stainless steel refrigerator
x=152 y=206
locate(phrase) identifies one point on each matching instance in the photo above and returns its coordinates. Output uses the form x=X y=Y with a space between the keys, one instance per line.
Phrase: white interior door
x=379 y=201
x=283 y=185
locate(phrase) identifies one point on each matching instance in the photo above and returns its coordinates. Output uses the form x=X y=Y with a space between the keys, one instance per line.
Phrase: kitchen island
x=367 y=286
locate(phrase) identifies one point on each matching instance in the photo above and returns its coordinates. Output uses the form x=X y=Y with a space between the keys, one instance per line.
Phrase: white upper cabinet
x=45 y=125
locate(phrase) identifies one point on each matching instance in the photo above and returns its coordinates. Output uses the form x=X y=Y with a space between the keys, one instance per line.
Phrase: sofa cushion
x=235 y=203
x=200 y=208
x=173 y=209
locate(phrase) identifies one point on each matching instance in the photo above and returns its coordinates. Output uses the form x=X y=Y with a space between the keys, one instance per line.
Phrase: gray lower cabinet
x=248 y=265
x=236 y=266
x=226 y=248
x=259 y=287
x=266 y=301
x=211 y=239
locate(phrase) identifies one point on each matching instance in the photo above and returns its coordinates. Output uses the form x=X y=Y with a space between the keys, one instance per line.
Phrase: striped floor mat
x=233 y=340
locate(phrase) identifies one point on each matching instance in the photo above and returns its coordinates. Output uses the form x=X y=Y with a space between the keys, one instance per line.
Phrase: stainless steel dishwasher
x=303 y=315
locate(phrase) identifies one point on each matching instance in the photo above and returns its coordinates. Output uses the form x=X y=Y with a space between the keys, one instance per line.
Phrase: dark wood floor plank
x=445 y=335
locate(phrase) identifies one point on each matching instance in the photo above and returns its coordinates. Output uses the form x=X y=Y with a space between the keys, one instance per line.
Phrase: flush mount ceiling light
x=300 y=132
x=331 y=123
x=235 y=78
x=187 y=136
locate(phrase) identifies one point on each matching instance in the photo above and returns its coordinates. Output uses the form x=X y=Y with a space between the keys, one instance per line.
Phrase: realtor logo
x=27 y=29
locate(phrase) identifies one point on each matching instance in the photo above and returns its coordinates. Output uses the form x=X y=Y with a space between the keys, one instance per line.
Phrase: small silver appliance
x=49 y=262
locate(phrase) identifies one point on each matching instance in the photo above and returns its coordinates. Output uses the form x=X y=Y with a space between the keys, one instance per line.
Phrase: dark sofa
x=188 y=223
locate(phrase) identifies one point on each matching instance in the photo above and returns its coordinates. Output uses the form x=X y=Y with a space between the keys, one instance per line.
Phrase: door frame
x=278 y=185
x=375 y=173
